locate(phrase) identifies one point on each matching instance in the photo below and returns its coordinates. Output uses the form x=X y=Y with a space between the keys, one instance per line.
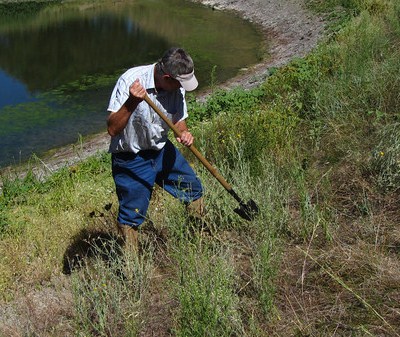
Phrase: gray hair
x=175 y=62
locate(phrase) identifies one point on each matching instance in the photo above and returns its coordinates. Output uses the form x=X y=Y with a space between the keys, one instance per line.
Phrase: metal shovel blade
x=247 y=211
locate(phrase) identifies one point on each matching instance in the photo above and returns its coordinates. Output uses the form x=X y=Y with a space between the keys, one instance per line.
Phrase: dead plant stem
x=348 y=288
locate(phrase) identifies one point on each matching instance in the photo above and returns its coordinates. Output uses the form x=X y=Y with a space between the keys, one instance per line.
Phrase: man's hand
x=137 y=91
x=186 y=138
x=136 y=95
x=117 y=121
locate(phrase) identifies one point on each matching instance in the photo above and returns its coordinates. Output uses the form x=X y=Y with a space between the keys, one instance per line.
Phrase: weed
x=385 y=161
x=264 y=272
x=205 y=292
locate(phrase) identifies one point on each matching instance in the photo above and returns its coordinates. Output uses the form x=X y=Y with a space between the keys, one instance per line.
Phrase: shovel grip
x=192 y=148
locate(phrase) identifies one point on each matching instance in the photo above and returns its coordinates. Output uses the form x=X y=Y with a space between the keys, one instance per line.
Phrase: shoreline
x=289 y=30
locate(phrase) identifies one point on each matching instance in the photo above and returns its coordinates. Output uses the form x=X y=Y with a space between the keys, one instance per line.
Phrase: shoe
x=130 y=236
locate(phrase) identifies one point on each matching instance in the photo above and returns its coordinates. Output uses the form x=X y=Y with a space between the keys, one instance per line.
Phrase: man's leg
x=134 y=178
x=178 y=178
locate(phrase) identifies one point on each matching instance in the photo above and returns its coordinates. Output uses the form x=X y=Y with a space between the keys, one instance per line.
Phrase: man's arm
x=117 y=120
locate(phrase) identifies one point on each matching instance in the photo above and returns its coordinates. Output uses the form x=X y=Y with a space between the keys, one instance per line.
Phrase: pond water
x=59 y=61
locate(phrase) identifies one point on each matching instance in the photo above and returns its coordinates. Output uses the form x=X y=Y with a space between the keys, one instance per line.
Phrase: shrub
x=237 y=100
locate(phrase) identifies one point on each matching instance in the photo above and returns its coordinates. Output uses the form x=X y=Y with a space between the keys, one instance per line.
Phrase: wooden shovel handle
x=192 y=148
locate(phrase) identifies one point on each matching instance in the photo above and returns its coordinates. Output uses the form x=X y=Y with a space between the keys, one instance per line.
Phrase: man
x=142 y=155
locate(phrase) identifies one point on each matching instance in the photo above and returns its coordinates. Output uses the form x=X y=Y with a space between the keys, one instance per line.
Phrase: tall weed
x=208 y=305
x=385 y=161
x=364 y=80
x=353 y=73
x=264 y=269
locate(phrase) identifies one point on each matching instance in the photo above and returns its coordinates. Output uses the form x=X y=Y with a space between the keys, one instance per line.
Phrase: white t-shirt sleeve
x=119 y=95
x=182 y=112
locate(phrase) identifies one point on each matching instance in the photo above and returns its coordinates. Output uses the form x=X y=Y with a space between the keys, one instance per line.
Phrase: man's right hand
x=117 y=121
x=137 y=91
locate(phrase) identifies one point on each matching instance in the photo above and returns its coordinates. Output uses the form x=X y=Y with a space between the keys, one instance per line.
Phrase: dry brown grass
x=44 y=312
x=349 y=285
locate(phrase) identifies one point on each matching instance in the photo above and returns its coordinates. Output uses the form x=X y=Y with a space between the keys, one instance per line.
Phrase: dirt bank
x=289 y=30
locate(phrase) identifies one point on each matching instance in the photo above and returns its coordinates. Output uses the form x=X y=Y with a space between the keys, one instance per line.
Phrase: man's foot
x=130 y=235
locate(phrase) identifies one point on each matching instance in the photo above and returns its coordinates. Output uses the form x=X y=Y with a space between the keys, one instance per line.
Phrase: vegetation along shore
x=312 y=134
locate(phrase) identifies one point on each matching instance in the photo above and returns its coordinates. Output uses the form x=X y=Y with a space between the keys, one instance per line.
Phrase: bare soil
x=289 y=30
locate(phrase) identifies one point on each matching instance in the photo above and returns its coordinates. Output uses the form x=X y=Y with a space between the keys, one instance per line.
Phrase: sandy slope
x=290 y=30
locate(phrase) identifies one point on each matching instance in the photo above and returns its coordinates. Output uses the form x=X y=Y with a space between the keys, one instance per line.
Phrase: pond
x=59 y=61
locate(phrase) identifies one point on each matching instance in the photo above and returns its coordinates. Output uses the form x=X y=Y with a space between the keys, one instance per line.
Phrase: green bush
x=246 y=137
x=237 y=100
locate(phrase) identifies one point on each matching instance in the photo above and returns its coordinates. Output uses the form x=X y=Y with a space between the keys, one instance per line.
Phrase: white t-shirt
x=145 y=129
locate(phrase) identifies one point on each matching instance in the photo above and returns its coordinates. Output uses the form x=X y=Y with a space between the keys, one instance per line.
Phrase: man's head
x=178 y=65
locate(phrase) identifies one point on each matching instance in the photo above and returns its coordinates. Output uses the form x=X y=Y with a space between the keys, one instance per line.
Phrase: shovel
x=247 y=210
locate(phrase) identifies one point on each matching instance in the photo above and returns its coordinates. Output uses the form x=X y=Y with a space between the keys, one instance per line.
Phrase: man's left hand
x=186 y=138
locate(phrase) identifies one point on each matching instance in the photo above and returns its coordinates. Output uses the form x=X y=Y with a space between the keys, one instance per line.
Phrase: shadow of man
x=88 y=244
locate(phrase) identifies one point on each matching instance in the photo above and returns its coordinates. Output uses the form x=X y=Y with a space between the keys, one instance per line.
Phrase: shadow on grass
x=89 y=244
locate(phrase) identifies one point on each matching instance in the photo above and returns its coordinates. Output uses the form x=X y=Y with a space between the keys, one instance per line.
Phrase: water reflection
x=59 y=62
x=12 y=91
x=47 y=57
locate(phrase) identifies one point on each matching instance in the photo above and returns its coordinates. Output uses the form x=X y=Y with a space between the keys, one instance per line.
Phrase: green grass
x=316 y=146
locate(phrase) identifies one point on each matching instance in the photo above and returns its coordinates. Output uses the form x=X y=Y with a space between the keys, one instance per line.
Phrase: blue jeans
x=135 y=174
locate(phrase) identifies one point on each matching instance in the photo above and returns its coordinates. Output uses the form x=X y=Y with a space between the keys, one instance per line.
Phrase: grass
x=108 y=294
x=316 y=146
x=205 y=291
